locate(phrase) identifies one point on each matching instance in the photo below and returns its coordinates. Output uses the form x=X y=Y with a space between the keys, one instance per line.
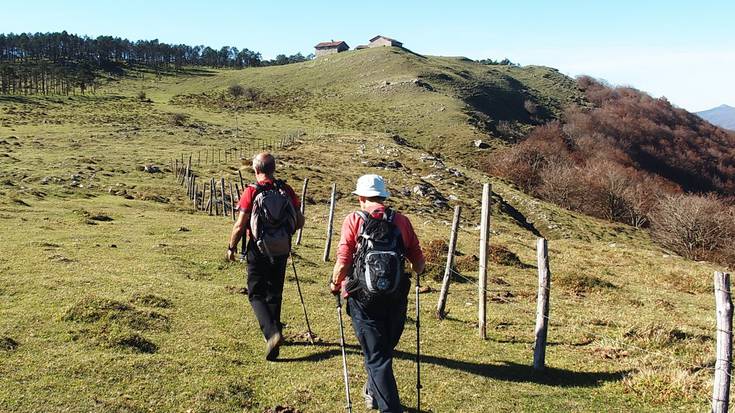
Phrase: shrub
x=179 y=119
x=141 y=96
x=694 y=226
x=523 y=163
x=236 y=90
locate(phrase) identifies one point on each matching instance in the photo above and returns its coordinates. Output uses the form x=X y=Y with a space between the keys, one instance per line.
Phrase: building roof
x=384 y=37
x=328 y=45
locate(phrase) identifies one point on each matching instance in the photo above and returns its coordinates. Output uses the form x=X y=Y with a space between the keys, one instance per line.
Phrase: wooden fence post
x=193 y=185
x=330 y=223
x=542 y=304
x=214 y=208
x=449 y=266
x=224 y=205
x=723 y=301
x=303 y=208
x=182 y=178
x=232 y=202
x=242 y=182
x=484 y=249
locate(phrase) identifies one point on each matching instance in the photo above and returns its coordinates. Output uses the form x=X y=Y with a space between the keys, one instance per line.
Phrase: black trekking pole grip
x=339 y=300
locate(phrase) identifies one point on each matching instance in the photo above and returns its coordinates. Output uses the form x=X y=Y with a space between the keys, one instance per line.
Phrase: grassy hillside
x=114 y=295
x=438 y=102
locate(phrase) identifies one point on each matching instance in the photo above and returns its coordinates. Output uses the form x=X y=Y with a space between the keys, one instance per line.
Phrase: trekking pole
x=418 y=347
x=344 y=355
x=303 y=306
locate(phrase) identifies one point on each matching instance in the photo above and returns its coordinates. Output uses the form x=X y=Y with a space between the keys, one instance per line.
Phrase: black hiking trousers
x=378 y=329
x=265 y=289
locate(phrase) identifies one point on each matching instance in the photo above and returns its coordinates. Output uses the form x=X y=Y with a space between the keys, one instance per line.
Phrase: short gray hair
x=264 y=163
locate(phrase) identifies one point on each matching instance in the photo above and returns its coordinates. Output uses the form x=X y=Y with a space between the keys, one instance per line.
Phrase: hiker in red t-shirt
x=266 y=264
x=378 y=321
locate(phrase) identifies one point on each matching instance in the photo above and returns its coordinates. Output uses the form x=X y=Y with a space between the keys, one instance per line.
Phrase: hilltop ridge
x=437 y=102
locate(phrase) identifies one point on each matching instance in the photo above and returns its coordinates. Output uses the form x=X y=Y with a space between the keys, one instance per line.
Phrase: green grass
x=106 y=306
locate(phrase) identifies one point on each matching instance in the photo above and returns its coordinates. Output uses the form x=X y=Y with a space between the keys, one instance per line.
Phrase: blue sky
x=682 y=50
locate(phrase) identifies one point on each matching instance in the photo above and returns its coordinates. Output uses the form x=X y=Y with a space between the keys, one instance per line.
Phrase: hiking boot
x=272 y=346
x=370 y=402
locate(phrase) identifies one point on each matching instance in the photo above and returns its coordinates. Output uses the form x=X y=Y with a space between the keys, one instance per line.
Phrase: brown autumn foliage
x=696 y=226
x=651 y=135
x=627 y=159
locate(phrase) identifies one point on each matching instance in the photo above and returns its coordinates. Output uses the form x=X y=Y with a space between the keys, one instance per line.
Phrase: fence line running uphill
x=219 y=197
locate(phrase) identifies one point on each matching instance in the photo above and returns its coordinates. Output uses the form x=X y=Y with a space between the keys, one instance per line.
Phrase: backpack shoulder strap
x=388 y=215
x=258 y=189
x=365 y=217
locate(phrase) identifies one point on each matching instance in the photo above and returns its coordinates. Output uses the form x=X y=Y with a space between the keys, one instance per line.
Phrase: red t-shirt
x=246 y=199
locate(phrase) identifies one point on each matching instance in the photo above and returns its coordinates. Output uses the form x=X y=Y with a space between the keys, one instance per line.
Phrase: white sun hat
x=371 y=185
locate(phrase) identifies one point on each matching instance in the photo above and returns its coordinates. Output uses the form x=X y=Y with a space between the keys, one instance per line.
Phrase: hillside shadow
x=16 y=99
x=518 y=217
x=504 y=371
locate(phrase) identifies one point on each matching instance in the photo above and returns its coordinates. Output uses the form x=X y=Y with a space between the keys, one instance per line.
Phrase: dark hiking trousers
x=265 y=289
x=378 y=329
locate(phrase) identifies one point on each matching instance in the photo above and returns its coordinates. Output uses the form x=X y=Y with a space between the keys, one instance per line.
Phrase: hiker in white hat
x=371 y=185
x=376 y=288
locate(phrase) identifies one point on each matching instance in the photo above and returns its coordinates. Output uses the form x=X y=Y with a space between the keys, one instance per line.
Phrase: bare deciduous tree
x=695 y=226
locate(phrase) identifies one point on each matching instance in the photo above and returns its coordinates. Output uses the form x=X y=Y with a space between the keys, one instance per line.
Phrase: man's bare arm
x=238 y=231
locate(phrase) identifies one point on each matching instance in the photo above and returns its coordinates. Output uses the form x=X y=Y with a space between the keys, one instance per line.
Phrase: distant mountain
x=722 y=116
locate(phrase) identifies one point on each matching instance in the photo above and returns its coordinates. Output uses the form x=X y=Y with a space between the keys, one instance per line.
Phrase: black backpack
x=272 y=220
x=377 y=270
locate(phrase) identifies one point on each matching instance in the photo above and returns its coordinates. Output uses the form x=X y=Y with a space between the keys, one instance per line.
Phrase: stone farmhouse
x=380 y=41
x=327 y=48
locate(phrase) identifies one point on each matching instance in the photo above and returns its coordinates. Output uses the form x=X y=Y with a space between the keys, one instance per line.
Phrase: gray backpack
x=272 y=220
x=377 y=272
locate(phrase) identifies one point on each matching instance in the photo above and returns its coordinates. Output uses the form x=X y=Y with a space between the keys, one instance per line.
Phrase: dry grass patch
x=662 y=385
